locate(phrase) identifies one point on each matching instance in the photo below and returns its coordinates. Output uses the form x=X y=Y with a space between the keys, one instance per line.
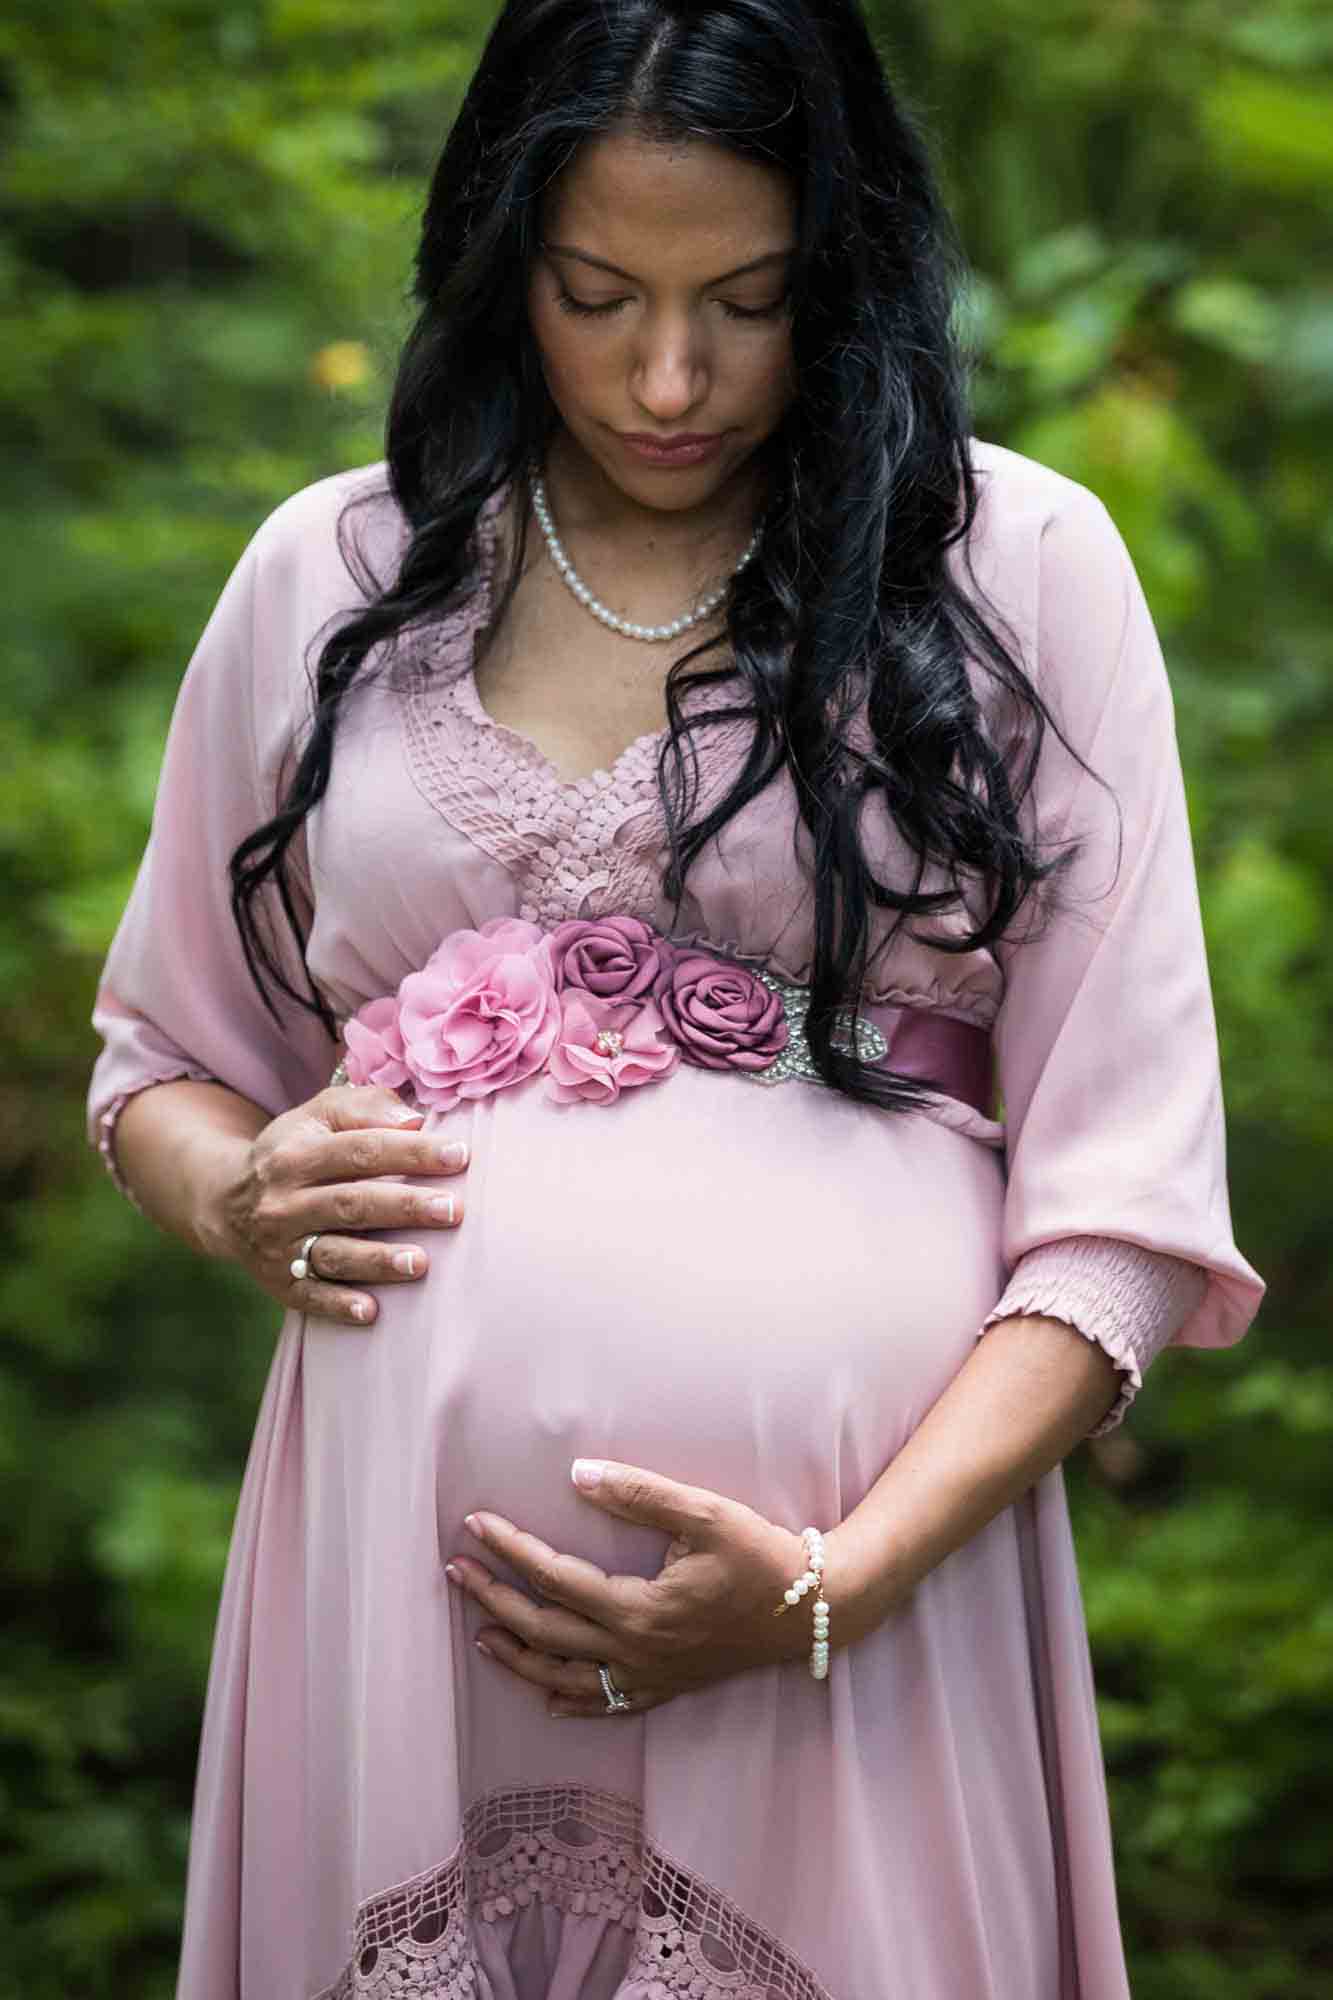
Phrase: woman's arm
x=178 y=1145
x=1025 y=1396
x=210 y=1105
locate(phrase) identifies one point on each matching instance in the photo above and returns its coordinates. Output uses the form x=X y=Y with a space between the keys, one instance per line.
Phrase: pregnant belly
x=759 y=1290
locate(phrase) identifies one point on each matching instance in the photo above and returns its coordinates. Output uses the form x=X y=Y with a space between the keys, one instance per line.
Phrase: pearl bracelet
x=812 y=1579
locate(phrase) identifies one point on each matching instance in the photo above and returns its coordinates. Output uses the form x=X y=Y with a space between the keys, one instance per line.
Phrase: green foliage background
x=208 y=210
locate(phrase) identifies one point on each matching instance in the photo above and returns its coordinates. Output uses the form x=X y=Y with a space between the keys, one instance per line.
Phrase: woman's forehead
x=635 y=202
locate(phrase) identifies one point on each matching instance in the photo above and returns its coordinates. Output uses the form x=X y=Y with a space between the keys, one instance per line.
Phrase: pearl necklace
x=594 y=604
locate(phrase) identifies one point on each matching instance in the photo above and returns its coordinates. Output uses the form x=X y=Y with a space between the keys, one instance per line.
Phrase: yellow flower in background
x=343 y=364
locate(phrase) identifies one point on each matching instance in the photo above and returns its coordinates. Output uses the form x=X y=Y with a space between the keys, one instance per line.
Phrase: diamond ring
x=617 y=1701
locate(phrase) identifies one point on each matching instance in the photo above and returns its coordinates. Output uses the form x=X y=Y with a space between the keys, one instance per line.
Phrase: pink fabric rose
x=722 y=1015
x=481 y=1014
x=613 y=958
x=602 y=1049
x=375 y=1045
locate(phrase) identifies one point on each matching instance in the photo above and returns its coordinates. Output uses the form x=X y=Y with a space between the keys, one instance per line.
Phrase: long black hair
x=849 y=607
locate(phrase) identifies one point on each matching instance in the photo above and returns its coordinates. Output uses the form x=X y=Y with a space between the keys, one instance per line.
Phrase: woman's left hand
x=708 y=1613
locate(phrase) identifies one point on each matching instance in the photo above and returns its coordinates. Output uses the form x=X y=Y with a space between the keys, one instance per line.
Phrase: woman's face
x=658 y=305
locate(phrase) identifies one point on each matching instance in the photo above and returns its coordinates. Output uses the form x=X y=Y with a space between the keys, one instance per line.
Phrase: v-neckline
x=637 y=759
x=605 y=778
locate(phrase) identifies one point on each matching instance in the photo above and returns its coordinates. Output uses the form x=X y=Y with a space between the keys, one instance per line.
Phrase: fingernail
x=453 y=1572
x=454 y=1154
x=587 y=1471
x=473 y=1525
x=360 y=1310
x=482 y=1647
x=559 y=1714
x=443 y=1206
x=406 y=1261
x=402 y=1116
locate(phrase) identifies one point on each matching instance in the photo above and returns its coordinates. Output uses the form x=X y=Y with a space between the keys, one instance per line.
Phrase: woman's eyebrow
x=600 y=263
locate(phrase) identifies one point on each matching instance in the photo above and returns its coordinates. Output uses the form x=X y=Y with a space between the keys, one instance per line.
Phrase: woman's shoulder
x=338 y=542
x=1020 y=498
x=313 y=559
x=1039 y=537
x=1053 y=561
x=310 y=535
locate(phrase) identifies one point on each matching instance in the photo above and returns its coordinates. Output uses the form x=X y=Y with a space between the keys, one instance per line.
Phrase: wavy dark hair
x=849 y=605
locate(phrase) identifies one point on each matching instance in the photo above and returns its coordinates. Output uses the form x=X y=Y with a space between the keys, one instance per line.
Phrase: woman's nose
x=670 y=376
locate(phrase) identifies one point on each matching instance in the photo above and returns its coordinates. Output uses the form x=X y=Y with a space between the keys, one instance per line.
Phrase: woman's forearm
x=178 y=1145
x=1031 y=1390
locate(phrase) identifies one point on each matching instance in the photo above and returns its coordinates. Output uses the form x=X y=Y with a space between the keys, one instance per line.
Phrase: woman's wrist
x=1024 y=1397
x=182 y=1146
x=217 y=1162
x=858 y=1584
x=861 y=1582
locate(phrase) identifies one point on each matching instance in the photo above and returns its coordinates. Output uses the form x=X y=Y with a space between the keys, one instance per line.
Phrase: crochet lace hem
x=582 y=1853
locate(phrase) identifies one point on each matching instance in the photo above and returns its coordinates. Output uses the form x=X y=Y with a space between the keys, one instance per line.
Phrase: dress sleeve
x=1116 y=1211
x=175 y=998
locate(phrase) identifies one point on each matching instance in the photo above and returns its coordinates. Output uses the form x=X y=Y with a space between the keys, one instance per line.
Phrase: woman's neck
x=588 y=505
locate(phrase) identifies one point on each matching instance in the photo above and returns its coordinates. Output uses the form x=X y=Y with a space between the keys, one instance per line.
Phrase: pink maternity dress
x=760 y=1290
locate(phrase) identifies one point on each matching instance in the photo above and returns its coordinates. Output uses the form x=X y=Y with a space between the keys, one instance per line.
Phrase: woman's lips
x=691 y=453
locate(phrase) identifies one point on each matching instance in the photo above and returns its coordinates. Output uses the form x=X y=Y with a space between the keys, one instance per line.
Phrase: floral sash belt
x=603 y=1005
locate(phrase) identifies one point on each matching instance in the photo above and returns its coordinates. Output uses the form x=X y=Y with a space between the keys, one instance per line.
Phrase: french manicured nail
x=453 y=1572
x=443 y=1206
x=473 y=1524
x=407 y=1262
x=360 y=1309
x=454 y=1154
x=402 y=1116
x=482 y=1647
x=587 y=1471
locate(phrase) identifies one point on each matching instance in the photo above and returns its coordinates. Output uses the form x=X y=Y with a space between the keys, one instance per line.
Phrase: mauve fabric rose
x=481 y=1014
x=613 y=958
x=722 y=1016
x=602 y=1048
x=374 y=1045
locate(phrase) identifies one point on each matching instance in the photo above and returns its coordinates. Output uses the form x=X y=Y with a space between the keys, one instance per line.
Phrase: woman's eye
x=753 y=312
x=568 y=303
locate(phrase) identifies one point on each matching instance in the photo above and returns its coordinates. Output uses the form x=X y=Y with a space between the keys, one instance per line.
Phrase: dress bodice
x=489 y=823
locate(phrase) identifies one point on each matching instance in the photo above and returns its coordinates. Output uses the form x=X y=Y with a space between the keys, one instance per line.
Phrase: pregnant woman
x=669 y=944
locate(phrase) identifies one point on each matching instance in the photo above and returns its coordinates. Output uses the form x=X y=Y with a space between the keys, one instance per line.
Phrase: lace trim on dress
x=589 y=846
x=592 y=850
x=575 y=848
x=580 y=1852
x=1128 y=1300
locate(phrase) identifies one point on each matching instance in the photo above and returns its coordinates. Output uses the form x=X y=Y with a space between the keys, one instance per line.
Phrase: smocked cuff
x=108 y=1117
x=1128 y=1300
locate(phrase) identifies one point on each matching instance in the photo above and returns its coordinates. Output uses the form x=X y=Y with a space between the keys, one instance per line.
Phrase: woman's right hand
x=330 y=1167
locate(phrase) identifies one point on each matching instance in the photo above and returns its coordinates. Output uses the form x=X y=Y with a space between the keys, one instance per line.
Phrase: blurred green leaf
x=1275 y=133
